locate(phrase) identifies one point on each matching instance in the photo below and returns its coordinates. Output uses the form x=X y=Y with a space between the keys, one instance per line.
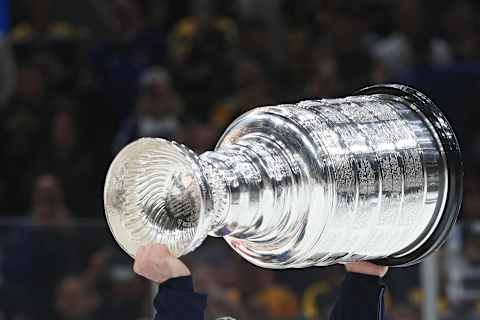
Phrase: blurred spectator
x=64 y=156
x=38 y=25
x=38 y=255
x=156 y=111
x=198 y=135
x=255 y=42
x=217 y=272
x=402 y=282
x=201 y=54
x=223 y=300
x=51 y=42
x=403 y=312
x=74 y=300
x=130 y=291
x=252 y=89
x=343 y=40
x=317 y=300
x=24 y=124
x=7 y=71
x=326 y=80
x=88 y=295
x=462 y=30
x=48 y=206
x=298 y=66
x=412 y=42
x=471 y=206
x=120 y=61
x=273 y=300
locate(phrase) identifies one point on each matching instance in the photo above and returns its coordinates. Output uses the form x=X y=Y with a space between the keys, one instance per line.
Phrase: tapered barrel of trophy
x=376 y=176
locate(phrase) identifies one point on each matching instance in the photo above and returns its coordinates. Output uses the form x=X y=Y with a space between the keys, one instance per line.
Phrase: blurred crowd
x=81 y=79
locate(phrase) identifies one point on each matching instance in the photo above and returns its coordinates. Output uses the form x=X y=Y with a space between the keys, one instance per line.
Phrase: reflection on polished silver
x=376 y=176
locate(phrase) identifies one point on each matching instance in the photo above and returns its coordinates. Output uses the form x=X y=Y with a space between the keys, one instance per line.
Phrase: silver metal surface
x=313 y=183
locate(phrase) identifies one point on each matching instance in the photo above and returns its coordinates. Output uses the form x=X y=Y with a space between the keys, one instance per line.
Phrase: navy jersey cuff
x=360 y=297
x=364 y=282
x=180 y=283
x=176 y=300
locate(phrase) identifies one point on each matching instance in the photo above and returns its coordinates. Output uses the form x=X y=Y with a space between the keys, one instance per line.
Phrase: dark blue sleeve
x=360 y=298
x=176 y=300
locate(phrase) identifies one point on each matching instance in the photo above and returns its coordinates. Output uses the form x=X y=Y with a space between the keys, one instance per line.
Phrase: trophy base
x=440 y=128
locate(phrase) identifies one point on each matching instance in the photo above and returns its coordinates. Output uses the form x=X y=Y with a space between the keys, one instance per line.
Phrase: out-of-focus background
x=81 y=79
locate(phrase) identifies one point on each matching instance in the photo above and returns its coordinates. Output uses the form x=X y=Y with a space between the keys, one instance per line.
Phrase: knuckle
x=139 y=266
x=136 y=267
x=161 y=247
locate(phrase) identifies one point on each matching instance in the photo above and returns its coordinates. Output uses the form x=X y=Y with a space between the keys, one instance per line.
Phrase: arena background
x=80 y=79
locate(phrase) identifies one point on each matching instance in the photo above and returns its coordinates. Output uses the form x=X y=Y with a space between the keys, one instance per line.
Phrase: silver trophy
x=375 y=176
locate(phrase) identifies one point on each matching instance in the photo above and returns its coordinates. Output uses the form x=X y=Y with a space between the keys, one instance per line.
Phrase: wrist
x=367 y=268
x=178 y=269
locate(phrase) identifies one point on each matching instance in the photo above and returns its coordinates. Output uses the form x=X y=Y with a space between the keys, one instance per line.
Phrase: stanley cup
x=374 y=176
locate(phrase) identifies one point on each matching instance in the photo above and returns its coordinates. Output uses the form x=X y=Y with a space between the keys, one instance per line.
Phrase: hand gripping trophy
x=374 y=176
